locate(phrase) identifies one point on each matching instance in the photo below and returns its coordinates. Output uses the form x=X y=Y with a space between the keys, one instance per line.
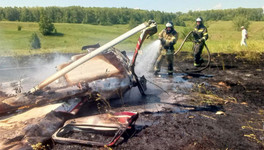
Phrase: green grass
x=222 y=38
x=74 y=37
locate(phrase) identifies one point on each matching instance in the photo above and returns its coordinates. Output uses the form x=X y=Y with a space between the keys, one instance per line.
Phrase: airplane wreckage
x=100 y=74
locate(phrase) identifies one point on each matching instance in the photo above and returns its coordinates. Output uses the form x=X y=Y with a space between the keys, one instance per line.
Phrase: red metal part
x=139 y=43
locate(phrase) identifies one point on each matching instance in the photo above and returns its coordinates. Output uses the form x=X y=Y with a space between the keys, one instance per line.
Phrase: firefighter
x=200 y=36
x=168 y=37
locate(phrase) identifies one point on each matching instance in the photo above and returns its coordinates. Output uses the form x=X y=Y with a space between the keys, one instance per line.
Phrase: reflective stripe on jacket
x=200 y=32
x=171 y=38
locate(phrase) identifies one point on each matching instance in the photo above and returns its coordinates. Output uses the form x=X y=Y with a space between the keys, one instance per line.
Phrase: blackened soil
x=224 y=109
x=236 y=88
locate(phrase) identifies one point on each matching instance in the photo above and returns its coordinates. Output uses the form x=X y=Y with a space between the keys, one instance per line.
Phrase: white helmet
x=169 y=25
x=199 y=19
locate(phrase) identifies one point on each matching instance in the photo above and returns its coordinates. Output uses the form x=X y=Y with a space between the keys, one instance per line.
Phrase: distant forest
x=110 y=16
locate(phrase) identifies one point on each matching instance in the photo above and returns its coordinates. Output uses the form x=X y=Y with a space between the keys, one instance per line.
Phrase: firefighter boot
x=156 y=72
x=199 y=63
x=170 y=73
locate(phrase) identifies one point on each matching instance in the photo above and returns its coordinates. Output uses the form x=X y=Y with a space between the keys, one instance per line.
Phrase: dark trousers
x=197 y=50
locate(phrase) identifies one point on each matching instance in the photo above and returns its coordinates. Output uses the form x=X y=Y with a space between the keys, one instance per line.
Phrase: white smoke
x=28 y=71
x=43 y=70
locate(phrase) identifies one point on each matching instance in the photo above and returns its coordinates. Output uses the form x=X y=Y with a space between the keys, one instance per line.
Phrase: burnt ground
x=236 y=89
x=219 y=108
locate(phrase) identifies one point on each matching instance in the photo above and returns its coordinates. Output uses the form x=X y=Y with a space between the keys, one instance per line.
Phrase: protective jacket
x=167 y=49
x=168 y=39
x=200 y=33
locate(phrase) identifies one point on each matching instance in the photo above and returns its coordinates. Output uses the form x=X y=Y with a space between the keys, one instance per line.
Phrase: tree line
x=110 y=16
x=90 y=15
x=251 y=14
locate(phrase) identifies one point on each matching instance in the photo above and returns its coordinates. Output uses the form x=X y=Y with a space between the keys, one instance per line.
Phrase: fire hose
x=208 y=57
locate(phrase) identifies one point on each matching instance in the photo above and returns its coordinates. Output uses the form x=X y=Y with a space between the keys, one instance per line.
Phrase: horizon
x=125 y=7
x=158 y=5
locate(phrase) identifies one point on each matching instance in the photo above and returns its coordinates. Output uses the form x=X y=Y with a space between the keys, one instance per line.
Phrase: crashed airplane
x=99 y=74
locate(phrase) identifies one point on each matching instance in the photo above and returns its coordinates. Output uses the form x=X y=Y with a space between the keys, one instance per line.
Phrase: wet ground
x=223 y=109
x=219 y=108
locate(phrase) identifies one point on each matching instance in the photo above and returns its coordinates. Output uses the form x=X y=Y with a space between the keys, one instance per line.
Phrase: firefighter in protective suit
x=168 y=38
x=200 y=35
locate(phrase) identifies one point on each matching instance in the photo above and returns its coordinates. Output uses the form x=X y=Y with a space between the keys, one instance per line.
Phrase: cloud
x=199 y=9
x=218 y=6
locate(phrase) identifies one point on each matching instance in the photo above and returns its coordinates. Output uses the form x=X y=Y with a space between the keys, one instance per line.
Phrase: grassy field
x=222 y=37
x=72 y=38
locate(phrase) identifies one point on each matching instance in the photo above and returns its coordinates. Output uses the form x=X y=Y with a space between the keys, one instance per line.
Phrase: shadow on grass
x=56 y=34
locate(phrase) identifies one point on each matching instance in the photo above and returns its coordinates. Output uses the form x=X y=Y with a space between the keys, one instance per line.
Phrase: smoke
x=28 y=71
x=43 y=68
x=47 y=66
x=146 y=60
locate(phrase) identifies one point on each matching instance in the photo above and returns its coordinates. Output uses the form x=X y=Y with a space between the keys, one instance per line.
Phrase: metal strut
x=149 y=31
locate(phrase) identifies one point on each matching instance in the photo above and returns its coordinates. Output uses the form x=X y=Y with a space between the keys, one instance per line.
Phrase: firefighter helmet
x=169 y=25
x=199 y=19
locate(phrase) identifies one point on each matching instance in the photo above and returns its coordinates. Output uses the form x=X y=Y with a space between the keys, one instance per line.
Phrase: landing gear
x=141 y=83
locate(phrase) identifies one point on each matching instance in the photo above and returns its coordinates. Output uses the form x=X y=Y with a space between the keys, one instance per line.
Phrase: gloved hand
x=166 y=47
x=171 y=44
x=201 y=40
x=195 y=41
x=162 y=41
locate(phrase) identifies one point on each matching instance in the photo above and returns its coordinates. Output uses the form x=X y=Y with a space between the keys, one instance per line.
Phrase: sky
x=161 y=5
